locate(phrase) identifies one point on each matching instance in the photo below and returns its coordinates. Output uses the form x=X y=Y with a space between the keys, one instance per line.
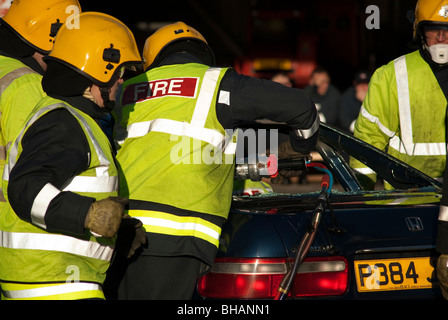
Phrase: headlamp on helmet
x=37 y=22
x=98 y=49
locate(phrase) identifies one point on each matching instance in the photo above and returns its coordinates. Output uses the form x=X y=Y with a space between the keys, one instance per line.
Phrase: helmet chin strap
x=108 y=104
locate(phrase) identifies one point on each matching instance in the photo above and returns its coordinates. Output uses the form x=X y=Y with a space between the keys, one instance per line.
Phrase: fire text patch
x=175 y=87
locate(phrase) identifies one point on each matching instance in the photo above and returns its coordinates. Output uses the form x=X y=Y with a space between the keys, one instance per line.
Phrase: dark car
x=348 y=243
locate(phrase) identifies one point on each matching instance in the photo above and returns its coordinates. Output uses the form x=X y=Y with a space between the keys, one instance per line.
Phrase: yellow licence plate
x=394 y=274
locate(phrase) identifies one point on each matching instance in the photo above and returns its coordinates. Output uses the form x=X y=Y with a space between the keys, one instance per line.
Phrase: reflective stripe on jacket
x=20 y=87
x=32 y=255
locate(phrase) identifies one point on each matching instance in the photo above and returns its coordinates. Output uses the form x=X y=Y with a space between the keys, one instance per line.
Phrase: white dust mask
x=439 y=53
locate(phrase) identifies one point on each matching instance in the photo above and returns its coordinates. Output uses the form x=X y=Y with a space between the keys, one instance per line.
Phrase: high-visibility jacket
x=250 y=188
x=20 y=91
x=36 y=264
x=404 y=113
x=176 y=161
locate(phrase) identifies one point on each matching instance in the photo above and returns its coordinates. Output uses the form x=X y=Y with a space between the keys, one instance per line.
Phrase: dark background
x=331 y=33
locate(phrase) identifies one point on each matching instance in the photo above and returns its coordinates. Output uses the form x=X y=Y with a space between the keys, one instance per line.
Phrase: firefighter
x=61 y=182
x=181 y=108
x=442 y=227
x=27 y=34
x=405 y=106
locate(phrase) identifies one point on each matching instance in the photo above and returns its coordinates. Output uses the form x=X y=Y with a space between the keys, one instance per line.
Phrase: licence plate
x=394 y=274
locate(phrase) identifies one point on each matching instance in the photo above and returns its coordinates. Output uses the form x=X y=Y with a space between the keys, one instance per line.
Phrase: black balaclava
x=12 y=46
x=60 y=80
x=197 y=48
x=63 y=81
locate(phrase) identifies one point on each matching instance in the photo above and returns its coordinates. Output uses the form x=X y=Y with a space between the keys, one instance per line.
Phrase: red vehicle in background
x=296 y=41
x=281 y=48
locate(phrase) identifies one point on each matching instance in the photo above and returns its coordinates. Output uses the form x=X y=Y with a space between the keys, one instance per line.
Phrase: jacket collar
x=85 y=105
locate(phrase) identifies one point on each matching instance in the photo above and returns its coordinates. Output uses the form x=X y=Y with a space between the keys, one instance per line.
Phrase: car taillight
x=257 y=278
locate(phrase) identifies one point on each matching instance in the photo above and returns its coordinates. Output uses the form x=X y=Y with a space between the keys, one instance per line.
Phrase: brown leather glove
x=104 y=216
x=442 y=274
x=131 y=236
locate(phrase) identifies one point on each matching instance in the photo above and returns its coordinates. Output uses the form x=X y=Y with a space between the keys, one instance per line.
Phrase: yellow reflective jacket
x=36 y=264
x=174 y=160
x=404 y=113
x=20 y=91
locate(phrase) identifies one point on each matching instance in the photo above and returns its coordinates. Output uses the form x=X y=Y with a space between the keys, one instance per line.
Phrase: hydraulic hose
x=305 y=244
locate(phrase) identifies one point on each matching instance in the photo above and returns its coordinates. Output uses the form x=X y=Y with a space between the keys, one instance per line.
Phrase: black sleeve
x=444 y=199
x=442 y=226
x=252 y=99
x=442 y=237
x=55 y=149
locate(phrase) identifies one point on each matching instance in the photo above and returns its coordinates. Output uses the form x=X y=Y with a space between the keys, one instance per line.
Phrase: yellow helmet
x=36 y=22
x=429 y=12
x=165 y=36
x=98 y=48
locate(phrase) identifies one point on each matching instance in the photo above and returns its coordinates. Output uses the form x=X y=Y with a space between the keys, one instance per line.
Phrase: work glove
x=303 y=145
x=285 y=151
x=131 y=236
x=442 y=274
x=104 y=216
